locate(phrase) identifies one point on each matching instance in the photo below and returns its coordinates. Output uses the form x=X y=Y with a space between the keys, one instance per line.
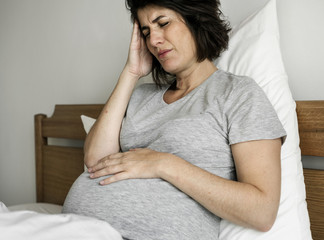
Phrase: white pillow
x=87 y=123
x=254 y=51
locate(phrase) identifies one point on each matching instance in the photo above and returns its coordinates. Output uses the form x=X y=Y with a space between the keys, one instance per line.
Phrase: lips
x=163 y=53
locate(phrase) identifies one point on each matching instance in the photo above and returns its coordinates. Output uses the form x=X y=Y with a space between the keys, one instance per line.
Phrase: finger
x=137 y=149
x=116 y=156
x=115 y=178
x=103 y=163
x=136 y=32
x=109 y=170
x=98 y=166
x=137 y=28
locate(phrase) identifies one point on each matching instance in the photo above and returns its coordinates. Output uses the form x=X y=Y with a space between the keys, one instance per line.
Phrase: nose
x=156 y=38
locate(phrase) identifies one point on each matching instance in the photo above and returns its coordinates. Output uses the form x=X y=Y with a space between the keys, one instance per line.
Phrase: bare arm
x=252 y=201
x=103 y=138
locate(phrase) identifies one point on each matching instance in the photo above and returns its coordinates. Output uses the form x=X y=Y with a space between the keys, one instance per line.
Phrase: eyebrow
x=154 y=21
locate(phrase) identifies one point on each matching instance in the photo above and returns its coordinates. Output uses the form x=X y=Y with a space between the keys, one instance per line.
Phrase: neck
x=194 y=76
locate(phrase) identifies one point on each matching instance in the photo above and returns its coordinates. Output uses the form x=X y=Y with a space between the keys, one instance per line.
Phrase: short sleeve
x=250 y=115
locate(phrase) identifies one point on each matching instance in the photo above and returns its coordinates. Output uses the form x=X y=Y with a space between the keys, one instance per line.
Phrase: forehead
x=149 y=13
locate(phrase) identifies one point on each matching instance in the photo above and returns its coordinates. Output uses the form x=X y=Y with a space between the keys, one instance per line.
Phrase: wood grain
x=314 y=181
x=66 y=121
x=62 y=165
x=310 y=116
x=40 y=142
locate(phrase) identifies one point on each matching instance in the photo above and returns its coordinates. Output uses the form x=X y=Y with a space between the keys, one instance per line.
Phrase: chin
x=170 y=68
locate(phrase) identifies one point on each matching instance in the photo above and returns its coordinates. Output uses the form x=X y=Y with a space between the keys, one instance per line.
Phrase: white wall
x=71 y=51
x=62 y=51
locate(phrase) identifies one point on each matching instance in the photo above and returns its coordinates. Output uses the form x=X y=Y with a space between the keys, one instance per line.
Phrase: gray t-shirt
x=200 y=127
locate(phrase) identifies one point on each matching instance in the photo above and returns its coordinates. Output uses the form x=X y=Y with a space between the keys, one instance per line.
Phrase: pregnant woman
x=169 y=159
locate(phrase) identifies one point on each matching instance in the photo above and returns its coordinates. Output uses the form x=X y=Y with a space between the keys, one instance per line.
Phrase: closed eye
x=146 y=31
x=146 y=34
x=163 y=24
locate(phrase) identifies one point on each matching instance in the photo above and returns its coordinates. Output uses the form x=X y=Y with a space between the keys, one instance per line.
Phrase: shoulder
x=232 y=81
x=226 y=85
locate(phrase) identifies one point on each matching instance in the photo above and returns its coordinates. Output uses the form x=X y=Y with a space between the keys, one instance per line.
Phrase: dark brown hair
x=205 y=21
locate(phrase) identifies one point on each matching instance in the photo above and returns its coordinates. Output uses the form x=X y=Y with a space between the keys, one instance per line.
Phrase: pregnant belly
x=139 y=204
x=123 y=199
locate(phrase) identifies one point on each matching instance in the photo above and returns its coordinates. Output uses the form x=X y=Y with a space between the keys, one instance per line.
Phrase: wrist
x=168 y=165
x=131 y=74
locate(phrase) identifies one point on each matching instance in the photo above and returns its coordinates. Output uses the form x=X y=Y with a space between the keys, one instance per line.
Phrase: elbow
x=88 y=160
x=265 y=226
x=268 y=211
x=86 y=155
x=90 y=157
x=266 y=222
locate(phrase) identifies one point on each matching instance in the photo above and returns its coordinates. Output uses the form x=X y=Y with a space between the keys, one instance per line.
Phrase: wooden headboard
x=310 y=116
x=58 y=166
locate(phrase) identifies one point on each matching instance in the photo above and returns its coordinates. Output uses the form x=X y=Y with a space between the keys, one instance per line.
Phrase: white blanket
x=36 y=226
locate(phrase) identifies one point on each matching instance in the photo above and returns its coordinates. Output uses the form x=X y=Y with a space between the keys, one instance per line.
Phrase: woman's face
x=168 y=38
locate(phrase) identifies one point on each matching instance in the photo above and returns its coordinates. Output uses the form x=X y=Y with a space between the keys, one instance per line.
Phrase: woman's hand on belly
x=136 y=163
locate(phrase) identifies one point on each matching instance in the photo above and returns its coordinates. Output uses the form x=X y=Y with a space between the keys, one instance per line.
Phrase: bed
x=59 y=138
x=58 y=166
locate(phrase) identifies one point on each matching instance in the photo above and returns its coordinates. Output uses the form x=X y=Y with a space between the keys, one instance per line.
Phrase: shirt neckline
x=190 y=93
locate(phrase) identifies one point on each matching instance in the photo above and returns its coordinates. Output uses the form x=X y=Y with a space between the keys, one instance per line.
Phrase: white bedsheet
x=30 y=225
x=37 y=207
